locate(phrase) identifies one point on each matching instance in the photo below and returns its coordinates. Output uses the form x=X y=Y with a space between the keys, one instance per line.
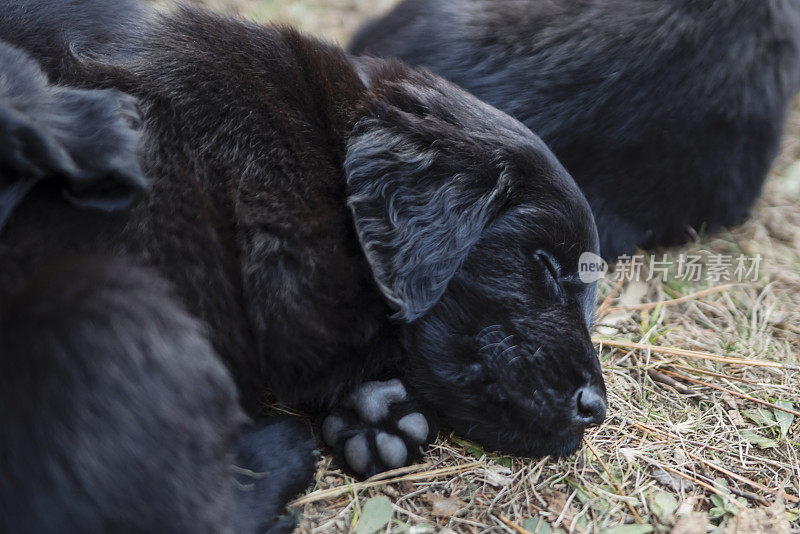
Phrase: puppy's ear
x=87 y=140
x=100 y=131
x=28 y=153
x=417 y=210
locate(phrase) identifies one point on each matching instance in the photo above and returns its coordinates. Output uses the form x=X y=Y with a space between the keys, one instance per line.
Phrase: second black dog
x=667 y=113
x=117 y=415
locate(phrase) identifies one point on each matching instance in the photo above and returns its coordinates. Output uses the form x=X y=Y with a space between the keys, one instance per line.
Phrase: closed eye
x=551 y=271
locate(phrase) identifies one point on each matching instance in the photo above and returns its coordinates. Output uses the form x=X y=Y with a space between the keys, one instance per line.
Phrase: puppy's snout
x=590 y=406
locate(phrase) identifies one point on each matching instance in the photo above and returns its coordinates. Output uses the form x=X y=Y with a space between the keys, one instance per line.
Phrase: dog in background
x=668 y=113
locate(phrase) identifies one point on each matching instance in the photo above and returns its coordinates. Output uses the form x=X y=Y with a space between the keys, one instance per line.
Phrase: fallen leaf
x=556 y=501
x=497 y=476
x=375 y=515
x=737 y=418
x=663 y=505
x=444 y=506
x=730 y=400
x=673 y=482
x=784 y=419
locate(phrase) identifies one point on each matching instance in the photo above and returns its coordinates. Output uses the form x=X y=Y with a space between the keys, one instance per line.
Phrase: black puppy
x=116 y=414
x=365 y=239
x=668 y=113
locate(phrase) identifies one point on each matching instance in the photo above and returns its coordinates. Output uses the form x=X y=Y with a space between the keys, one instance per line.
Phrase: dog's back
x=54 y=31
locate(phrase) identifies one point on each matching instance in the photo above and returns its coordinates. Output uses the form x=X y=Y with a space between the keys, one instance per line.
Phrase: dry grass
x=673 y=451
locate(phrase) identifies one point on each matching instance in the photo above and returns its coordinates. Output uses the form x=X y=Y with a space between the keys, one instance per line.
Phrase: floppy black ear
x=28 y=152
x=417 y=212
x=85 y=139
x=100 y=131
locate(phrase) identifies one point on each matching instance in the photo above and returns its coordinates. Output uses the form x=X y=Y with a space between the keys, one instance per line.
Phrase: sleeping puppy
x=667 y=113
x=116 y=413
x=364 y=239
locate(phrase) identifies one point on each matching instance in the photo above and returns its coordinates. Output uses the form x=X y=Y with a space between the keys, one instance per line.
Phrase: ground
x=696 y=440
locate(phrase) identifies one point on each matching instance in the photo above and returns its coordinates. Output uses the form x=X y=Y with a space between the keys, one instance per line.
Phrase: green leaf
x=582 y=495
x=717 y=512
x=793 y=514
x=758 y=440
x=722 y=485
x=630 y=529
x=375 y=515
x=473 y=449
x=663 y=505
x=537 y=525
x=760 y=416
x=505 y=461
x=784 y=419
x=476 y=451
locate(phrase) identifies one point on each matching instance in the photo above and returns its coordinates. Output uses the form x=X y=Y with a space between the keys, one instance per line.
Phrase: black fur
x=668 y=113
x=85 y=140
x=118 y=417
x=58 y=31
x=334 y=221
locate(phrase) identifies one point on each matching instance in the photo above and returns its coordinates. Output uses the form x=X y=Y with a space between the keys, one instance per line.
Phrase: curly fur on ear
x=415 y=221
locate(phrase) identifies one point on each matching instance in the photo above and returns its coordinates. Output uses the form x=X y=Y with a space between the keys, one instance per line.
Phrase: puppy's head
x=474 y=231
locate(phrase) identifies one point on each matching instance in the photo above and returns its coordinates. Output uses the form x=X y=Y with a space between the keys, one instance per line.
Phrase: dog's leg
x=273 y=462
x=378 y=427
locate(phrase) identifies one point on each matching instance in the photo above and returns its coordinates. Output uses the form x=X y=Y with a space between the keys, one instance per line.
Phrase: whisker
x=508 y=349
x=488 y=329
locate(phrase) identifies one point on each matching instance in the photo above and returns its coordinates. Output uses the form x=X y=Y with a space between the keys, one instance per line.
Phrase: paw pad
x=378 y=428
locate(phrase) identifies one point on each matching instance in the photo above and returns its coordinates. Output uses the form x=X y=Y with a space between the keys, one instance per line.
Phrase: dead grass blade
x=671 y=302
x=732 y=392
x=690 y=478
x=696 y=354
x=611 y=479
x=332 y=493
x=604 y=307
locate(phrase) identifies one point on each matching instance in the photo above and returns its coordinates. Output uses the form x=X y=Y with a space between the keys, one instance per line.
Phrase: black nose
x=590 y=406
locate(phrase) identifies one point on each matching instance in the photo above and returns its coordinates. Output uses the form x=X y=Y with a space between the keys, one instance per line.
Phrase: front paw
x=379 y=427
